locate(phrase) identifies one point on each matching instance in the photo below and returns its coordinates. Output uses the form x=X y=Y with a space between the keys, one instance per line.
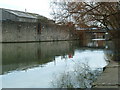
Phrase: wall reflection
x=20 y=56
x=43 y=60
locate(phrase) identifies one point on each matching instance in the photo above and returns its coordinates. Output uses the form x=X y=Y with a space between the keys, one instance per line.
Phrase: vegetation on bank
x=81 y=76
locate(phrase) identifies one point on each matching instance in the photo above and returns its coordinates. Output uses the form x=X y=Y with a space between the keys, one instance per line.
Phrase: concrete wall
x=0 y=25
x=0 y=44
x=0 y=14
x=25 y=31
x=18 y=31
x=54 y=32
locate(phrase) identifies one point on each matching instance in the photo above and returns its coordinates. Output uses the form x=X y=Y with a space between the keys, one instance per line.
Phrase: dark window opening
x=39 y=28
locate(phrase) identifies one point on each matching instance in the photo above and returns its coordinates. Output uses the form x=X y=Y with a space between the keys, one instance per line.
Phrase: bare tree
x=101 y=14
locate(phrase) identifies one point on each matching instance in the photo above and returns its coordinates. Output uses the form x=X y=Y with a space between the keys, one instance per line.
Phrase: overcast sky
x=41 y=7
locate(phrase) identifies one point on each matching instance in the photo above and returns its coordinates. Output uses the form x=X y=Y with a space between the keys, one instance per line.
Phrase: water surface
x=39 y=65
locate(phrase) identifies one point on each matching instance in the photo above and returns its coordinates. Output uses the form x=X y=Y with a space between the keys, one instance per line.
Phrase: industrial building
x=19 y=26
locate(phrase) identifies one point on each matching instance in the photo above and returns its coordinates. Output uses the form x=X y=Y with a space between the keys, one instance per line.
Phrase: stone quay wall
x=33 y=31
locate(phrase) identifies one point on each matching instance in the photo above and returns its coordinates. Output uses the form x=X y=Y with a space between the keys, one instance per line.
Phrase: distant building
x=18 y=26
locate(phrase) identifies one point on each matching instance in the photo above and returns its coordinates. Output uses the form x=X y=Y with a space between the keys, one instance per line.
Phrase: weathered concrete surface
x=110 y=77
x=20 y=26
x=0 y=26
x=26 y=32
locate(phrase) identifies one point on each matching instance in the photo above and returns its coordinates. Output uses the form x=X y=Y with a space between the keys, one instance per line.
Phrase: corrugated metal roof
x=23 y=14
x=26 y=15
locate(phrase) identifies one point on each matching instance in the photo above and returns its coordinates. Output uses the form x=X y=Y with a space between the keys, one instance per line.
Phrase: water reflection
x=95 y=43
x=26 y=55
x=33 y=65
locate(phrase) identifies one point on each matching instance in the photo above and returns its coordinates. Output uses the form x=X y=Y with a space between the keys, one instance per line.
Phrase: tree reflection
x=82 y=76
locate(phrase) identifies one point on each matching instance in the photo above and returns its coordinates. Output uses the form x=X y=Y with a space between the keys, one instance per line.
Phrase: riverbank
x=110 y=77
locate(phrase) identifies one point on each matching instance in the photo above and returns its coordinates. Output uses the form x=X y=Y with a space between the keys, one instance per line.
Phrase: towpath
x=110 y=78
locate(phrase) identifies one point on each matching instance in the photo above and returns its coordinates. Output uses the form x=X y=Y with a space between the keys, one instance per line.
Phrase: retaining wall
x=25 y=32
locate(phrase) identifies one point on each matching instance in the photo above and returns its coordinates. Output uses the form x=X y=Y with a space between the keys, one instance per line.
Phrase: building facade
x=17 y=26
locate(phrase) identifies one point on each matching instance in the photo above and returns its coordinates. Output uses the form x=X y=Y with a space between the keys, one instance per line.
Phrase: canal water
x=53 y=64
